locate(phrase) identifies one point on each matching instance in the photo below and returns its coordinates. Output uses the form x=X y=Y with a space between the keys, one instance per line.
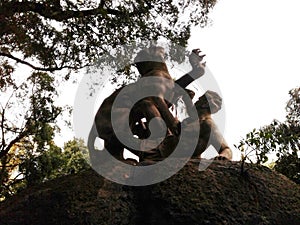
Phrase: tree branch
x=14 y=141
x=57 y=13
x=2 y=128
x=49 y=69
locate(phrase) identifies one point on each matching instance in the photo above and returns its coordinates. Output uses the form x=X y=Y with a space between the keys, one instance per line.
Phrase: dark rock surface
x=218 y=195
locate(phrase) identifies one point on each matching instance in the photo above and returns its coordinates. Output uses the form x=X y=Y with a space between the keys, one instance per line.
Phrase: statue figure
x=150 y=62
x=207 y=104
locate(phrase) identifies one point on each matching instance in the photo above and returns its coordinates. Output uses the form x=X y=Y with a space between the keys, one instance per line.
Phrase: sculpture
x=150 y=62
x=147 y=108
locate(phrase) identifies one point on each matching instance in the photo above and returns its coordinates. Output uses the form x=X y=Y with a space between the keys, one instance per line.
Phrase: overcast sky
x=253 y=51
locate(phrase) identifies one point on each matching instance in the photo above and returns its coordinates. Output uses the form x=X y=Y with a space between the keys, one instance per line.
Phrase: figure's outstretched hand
x=196 y=62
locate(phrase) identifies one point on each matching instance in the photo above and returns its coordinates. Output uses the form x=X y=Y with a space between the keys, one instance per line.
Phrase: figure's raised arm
x=198 y=69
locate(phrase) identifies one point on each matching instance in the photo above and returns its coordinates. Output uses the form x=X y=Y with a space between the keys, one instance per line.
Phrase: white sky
x=253 y=51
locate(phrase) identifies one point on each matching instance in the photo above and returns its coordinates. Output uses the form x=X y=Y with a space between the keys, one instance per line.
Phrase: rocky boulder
x=221 y=194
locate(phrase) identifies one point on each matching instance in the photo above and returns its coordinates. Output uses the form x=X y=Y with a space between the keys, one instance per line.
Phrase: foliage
x=72 y=34
x=28 y=124
x=54 y=38
x=289 y=165
x=280 y=138
x=31 y=167
x=27 y=110
x=28 y=116
x=66 y=35
x=76 y=158
x=55 y=162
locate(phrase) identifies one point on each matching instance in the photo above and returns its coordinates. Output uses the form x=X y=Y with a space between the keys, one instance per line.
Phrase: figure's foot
x=131 y=161
x=150 y=155
x=219 y=157
x=225 y=154
x=147 y=163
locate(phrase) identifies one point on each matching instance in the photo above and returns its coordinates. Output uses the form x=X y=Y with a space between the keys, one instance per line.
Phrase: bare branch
x=2 y=129
x=5 y=149
x=11 y=144
x=47 y=69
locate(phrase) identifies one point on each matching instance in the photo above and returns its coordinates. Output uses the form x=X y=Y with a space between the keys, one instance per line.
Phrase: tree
x=60 y=34
x=28 y=115
x=55 y=162
x=52 y=35
x=76 y=157
x=27 y=167
x=54 y=38
x=280 y=138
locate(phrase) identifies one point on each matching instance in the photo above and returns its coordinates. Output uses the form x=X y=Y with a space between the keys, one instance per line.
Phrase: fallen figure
x=209 y=134
x=206 y=105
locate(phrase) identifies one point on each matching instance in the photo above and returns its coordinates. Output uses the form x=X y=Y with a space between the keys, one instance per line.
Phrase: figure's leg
x=115 y=147
x=150 y=111
x=111 y=142
x=137 y=124
x=140 y=129
x=163 y=109
x=187 y=99
x=159 y=89
x=217 y=140
x=200 y=148
x=156 y=129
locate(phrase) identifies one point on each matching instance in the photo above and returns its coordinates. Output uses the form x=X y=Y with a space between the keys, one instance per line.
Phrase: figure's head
x=202 y=106
x=209 y=103
x=152 y=58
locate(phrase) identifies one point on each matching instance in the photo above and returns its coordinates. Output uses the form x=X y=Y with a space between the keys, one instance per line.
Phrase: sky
x=252 y=50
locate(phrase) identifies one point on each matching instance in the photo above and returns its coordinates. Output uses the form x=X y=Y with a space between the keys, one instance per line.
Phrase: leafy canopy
x=280 y=138
x=50 y=35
